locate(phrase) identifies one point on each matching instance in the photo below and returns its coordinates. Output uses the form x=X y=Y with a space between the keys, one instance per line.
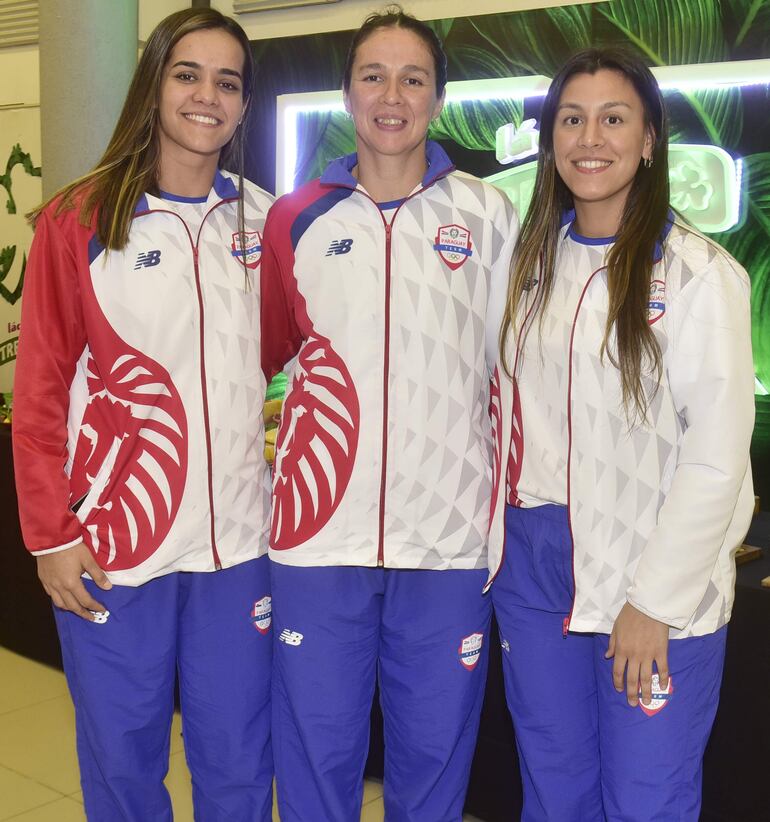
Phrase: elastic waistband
x=551 y=512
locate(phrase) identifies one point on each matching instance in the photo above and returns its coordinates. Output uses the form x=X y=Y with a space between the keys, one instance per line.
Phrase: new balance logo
x=339 y=247
x=147 y=259
x=291 y=637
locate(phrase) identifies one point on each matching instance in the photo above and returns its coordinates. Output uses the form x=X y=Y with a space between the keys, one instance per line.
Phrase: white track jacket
x=656 y=512
x=383 y=455
x=138 y=396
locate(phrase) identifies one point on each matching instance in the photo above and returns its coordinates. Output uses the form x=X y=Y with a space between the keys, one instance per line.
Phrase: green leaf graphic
x=17 y=157
x=7 y=256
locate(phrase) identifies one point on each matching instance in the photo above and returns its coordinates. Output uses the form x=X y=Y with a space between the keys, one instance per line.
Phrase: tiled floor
x=38 y=769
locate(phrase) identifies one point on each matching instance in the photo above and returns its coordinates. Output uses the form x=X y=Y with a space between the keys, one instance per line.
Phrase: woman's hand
x=637 y=641
x=60 y=574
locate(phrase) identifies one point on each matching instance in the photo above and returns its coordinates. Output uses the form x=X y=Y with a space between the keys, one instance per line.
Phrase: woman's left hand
x=637 y=641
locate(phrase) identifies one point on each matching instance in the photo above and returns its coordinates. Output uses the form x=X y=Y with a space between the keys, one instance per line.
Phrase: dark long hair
x=395 y=17
x=629 y=263
x=130 y=164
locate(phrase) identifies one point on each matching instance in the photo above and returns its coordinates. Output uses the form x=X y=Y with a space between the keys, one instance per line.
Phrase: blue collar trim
x=391 y=204
x=225 y=187
x=568 y=218
x=339 y=171
x=178 y=198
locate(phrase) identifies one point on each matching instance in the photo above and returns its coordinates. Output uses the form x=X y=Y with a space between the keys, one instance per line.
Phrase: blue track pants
x=424 y=635
x=213 y=629
x=586 y=756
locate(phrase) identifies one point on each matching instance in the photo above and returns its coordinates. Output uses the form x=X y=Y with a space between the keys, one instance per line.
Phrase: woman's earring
x=648 y=162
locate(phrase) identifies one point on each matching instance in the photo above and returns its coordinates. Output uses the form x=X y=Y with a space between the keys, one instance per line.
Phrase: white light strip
x=694 y=77
x=288 y=106
x=701 y=76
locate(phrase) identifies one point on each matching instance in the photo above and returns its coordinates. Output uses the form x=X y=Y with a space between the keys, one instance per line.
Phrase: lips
x=390 y=122
x=592 y=164
x=204 y=119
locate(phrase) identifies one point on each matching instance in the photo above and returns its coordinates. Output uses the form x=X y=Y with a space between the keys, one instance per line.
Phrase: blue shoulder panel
x=316 y=209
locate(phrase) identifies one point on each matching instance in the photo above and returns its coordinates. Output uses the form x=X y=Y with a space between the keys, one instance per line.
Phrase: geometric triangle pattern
x=423 y=313
x=652 y=521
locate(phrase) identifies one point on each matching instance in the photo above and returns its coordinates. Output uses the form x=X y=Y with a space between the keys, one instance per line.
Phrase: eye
x=572 y=120
x=414 y=81
x=228 y=85
x=614 y=119
x=185 y=76
x=371 y=78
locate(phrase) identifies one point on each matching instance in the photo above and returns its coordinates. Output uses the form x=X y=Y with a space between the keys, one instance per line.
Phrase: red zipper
x=204 y=389
x=206 y=422
x=385 y=395
x=386 y=357
x=568 y=618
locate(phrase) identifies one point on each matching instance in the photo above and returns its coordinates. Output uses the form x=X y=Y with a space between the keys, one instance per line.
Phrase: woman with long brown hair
x=138 y=437
x=625 y=426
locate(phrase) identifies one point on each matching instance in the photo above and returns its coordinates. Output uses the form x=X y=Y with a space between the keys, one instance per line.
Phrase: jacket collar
x=339 y=171
x=223 y=188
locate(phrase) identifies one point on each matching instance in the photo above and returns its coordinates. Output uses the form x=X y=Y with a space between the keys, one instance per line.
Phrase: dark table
x=26 y=621
x=738 y=755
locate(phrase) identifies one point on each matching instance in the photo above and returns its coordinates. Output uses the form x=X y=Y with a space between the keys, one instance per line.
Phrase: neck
x=188 y=176
x=601 y=219
x=388 y=178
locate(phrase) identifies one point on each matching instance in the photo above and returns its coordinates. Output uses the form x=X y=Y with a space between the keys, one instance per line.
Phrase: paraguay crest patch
x=470 y=650
x=252 y=255
x=453 y=243
x=659 y=698
x=262 y=614
x=656 y=307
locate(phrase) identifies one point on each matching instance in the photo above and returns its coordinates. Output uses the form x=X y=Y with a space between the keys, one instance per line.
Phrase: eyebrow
x=380 y=66
x=193 y=65
x=611 y=104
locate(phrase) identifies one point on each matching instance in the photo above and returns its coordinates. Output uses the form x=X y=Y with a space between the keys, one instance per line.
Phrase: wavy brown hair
x=629 y=263
x=130 y=164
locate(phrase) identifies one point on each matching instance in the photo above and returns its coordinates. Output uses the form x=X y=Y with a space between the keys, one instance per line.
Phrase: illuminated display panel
x=706 y=181
x=489 y=128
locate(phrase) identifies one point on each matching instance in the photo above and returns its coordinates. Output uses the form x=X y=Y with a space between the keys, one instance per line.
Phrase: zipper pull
x=565 y=627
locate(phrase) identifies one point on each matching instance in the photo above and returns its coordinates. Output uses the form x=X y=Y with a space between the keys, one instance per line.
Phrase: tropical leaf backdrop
x=664 y=32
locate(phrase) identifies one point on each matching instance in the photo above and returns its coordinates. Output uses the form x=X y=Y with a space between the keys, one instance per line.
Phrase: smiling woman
x=626 y=423
x=379 y=276
x=200 y=106
x=599 y=136
x=392 y=92
x=141 y=489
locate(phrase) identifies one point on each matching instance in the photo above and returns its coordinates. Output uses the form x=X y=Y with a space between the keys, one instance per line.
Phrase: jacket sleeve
x=280 y=333
x=51 y=340
x=711 y=375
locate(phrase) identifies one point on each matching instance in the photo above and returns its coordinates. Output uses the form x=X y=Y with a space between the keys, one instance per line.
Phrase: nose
x=206 y=92
x=591 y=134
x=391 y=91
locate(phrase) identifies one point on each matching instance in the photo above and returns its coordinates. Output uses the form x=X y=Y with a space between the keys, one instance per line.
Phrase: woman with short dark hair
x=378 y=276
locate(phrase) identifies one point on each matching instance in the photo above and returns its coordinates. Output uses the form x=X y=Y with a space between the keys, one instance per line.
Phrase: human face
x=392 y=95
x=201 y=97
x=599 y=139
